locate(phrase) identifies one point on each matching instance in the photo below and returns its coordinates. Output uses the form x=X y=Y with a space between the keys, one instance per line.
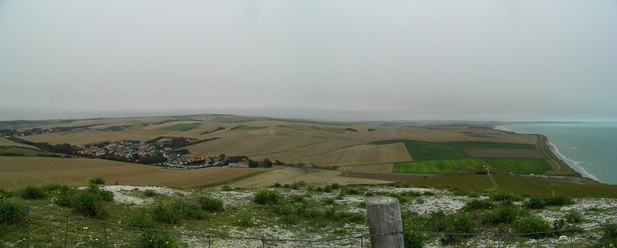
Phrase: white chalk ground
x=595 y=211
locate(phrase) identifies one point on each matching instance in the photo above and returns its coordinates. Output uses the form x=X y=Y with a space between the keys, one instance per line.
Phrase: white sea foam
x=575 y=165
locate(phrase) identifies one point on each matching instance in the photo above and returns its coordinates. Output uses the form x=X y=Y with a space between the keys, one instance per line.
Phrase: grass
x=245 y=127
x=182 y=127
x=435 y=166
x=523 y=166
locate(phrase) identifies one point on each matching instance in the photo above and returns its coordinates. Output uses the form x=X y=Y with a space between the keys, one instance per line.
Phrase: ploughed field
x=361 y=148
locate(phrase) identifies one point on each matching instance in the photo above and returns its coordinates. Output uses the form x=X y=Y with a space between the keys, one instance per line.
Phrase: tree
x=267 y=163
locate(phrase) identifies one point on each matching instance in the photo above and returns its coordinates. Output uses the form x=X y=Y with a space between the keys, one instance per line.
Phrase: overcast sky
x=337 y=60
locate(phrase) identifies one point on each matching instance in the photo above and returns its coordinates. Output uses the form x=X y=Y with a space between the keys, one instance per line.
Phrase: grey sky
x=342 y=60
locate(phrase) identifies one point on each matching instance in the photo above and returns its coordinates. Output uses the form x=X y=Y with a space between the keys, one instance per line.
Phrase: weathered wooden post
x=384 y=221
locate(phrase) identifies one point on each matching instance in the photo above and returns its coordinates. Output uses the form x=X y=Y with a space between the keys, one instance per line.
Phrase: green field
x=523 y=166
x=435 y=166
x=427 y=151
x=182 y=127
x=438 y=158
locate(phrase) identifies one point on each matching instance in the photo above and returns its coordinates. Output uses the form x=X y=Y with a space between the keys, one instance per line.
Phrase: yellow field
x=17 y=172
x=460 y=134
x=312 y=177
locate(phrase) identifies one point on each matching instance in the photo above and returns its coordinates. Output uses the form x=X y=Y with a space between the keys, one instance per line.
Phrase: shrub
x=97 y=180
x=534 y=226
x=504 y=215
x=89 y=204
x=32 y=193
x=152 y=239
x=149 y=193
x=211 y=204
x=11 y=214
x=227 y=188
x=187 y=210
x=141 y=220
x=165 y=214
x=266 y=197
x=558 y=200
x=478 y=205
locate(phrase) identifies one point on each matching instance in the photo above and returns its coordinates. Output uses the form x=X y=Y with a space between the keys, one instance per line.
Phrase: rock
x=563 y=238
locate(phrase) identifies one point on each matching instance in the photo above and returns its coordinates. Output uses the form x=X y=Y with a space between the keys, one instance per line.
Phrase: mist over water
x=588 y=148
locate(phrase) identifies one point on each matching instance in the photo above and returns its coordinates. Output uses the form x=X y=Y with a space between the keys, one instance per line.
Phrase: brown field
x=17 y=172
x=313 y=177
x=363 y=154
x=504 y=153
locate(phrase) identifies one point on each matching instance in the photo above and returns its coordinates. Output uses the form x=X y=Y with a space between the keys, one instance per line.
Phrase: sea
x=588 y=147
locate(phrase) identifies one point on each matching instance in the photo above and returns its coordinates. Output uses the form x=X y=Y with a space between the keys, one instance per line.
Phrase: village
x=157 y=152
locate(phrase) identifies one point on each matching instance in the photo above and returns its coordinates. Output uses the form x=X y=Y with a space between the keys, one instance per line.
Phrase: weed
x=244 y=219
x=532 y=225
x=154 y=239
x=266 y=197
x=210 y=204
x=573 y=217
x=227 y=188
x=141 y=220
x=165 y=214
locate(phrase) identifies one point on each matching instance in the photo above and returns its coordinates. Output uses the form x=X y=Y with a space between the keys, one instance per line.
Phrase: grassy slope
x=182 y=127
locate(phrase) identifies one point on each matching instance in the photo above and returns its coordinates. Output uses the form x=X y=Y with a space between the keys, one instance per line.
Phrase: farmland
x=365 y=149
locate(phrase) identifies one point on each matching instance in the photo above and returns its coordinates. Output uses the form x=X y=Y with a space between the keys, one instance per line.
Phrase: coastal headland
x=211 y=150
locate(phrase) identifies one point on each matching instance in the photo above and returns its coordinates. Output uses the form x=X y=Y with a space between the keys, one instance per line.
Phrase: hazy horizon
x=321 y=60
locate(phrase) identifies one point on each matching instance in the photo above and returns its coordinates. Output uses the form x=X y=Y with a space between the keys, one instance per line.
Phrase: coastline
x=552 y=152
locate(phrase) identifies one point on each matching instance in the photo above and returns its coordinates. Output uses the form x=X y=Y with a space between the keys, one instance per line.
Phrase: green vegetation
x=247 y=127
x=12 y=214
x=266 y=197
x=427 y=151
x=523 y=166
x=182 y=127
x=437 y=158
x=151 y=239
x=211 y=204
x=436 y=166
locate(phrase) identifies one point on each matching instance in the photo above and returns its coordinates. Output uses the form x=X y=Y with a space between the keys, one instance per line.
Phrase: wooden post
x=384 y=221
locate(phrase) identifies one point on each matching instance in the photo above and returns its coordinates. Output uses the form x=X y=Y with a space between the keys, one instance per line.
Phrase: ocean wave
x=575 y=165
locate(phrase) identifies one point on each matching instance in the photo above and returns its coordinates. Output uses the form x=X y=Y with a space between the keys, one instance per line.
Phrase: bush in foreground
x=11 y=214
x=32 y=193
